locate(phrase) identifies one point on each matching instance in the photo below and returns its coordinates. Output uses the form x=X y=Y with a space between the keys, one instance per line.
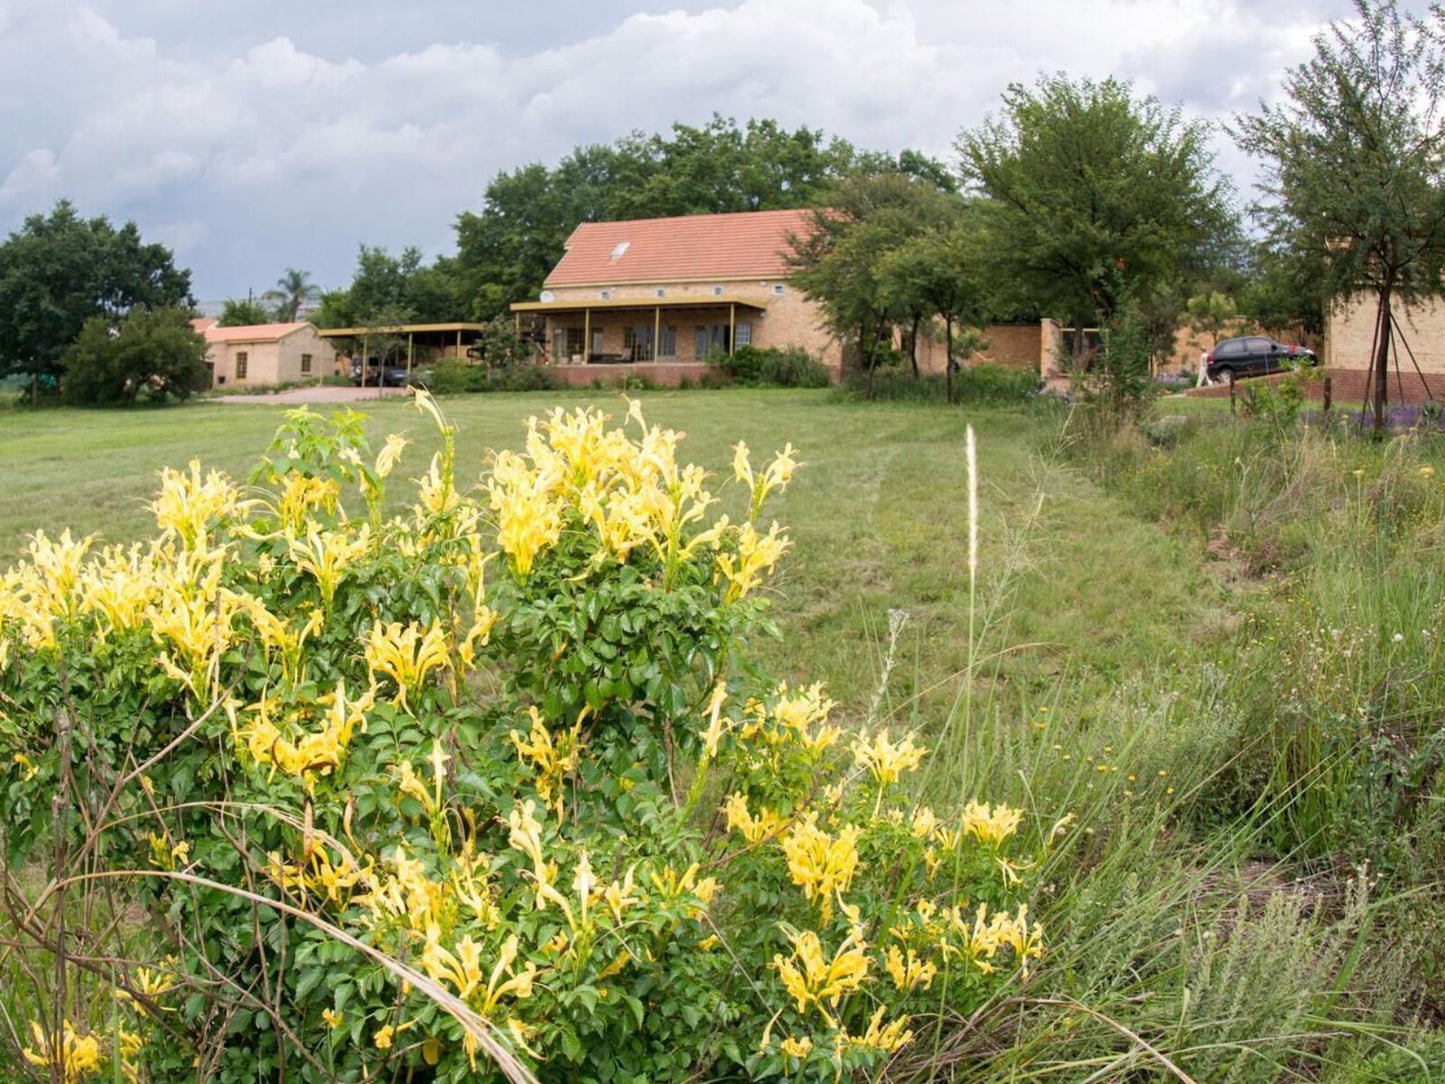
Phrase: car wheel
x=1226 y=377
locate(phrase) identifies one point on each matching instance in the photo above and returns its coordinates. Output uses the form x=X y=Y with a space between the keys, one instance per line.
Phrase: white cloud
x=256 y=153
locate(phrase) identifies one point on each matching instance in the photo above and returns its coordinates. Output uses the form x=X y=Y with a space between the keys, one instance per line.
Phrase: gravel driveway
x=324 y=393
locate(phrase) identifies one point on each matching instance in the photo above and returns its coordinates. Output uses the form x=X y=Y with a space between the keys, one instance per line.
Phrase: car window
x=1259 y=346
x=1230 y=348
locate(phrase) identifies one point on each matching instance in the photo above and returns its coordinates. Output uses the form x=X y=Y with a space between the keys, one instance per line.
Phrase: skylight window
x=620 y=249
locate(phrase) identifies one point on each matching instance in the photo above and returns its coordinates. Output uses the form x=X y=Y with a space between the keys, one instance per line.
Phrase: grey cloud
x=269 y=141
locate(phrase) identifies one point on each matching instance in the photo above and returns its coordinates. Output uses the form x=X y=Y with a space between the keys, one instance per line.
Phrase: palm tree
x=293 y=289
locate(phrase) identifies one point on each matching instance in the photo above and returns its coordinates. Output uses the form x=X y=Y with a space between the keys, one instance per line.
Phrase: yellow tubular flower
x=765 y=824
x=327 y=555
x=529 y=518
x=550 y=758
x=887 y=1039
x=75 y=1056
x=819 y=864
x=756 y=554
x=187 y=505
x=406 y=654
x=390 y=454
x=886 y=760
x=812 y=980
x=300 y=496
x=908 y=972
x=990 y=825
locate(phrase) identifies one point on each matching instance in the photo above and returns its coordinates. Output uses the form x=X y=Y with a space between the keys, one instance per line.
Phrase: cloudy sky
x=272 y=133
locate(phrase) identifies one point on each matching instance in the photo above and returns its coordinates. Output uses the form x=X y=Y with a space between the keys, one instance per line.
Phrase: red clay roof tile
x=747 y=244
x=252 y=333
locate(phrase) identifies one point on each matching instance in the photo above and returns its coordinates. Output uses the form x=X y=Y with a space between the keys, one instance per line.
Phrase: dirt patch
x=325 y=393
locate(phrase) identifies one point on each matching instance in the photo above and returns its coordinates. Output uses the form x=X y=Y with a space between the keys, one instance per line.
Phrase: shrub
x=451 y=377
x=790 y=367
x=492 y=780
x=983 y=383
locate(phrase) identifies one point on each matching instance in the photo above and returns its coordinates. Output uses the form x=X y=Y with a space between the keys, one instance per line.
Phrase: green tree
x=244 y=312
x=843 y=261
x=1092 y=196
x=1209 y=315
x=387 y=289
x=151 y=353
x=293 y=289
x=1355 y=160
x=937 y=274
x=59 y=270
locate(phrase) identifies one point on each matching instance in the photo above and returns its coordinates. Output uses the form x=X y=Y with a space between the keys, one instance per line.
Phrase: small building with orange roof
x=263 y=355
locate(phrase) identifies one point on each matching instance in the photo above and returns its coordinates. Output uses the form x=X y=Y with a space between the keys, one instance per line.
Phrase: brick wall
x=665 y=373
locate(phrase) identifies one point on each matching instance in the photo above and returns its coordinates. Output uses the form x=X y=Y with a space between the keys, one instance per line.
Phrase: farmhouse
x=667 y=292
x=264 y=354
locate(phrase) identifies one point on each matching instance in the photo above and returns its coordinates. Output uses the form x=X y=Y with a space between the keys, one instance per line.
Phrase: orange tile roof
x=203 y=323
x=252 y=333
x=747 y=244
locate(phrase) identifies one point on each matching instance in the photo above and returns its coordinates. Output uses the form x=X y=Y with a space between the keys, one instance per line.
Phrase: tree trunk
x=1380 y=366
x=948 y=359
x=913 y=344
x=34 y=389
x=1077 y=348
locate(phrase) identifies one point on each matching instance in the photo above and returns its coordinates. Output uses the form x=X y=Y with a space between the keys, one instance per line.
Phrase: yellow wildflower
x=756 y=554
x=406 y=654
x=552 y=758
x=886 y=760
x=812 y=980
x=333 y=1019
x=765 y=824
x=887 y=1039
x=819 y=864
x=908 y=972
x=990 y=825
x=75 y=1056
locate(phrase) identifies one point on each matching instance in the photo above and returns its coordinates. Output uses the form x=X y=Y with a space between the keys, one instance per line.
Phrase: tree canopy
x=1355 y=161
x=244 y=312
x=1091 y=195
x=151 y=353
x=59 y=270
x=292 y=290
x=401 y=288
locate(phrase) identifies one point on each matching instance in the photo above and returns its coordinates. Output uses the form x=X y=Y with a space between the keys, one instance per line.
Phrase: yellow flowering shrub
x=390 y=818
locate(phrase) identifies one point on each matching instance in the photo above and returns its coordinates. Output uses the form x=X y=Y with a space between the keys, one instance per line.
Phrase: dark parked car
x=1255 y=355
x=393 y=376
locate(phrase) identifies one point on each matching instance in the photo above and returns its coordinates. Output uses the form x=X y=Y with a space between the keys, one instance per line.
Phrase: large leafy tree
x=1355 y=160
x=59 y=270
x=151 y=353
x=845 y=261
x=1091 y=196
x=937 y=274
x=401 y=287
x=244 y=312
x=292 y=290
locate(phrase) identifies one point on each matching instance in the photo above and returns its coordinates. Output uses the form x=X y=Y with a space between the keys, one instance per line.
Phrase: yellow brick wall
x=1350 y=334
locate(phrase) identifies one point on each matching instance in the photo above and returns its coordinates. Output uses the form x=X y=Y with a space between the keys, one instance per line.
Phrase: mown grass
x=1141 y=658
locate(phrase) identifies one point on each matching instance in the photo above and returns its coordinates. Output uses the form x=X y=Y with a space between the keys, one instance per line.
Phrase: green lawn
x=879 y=518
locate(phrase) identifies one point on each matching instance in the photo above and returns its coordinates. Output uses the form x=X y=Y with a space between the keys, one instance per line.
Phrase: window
x=606 y=295
x=575 y=343
x=744 y=335
x=241 y=365
x=711 y=339
x=305 y=363
x=661 y=292
x=777 y=289
x=667 y=344
x=717 y=291
x=637 y=343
